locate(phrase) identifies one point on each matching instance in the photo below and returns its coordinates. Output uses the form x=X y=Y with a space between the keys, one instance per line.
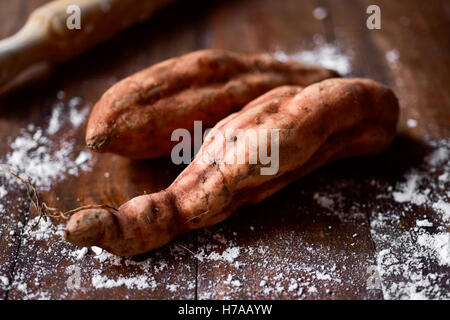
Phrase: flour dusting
x=320 y=13
x=326 y=55
x=44 y=157
x=139 y=282
x=413 y=261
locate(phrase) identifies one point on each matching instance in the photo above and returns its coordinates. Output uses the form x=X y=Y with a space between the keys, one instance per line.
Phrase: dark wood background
x=290 y=224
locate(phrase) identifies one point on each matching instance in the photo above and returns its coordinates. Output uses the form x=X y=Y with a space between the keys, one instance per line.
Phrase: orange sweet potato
x=324 y=122
x=136 y=117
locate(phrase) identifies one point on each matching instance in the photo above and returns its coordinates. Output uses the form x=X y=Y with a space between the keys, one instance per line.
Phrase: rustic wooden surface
x=290 y=225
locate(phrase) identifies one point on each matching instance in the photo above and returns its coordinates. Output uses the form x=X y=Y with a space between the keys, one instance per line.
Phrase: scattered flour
x=75 y=102
x=97 y=250
x=444 y=208
x=173 y=287
x=320 y=13
x=440 y=156
x=405 y=268
x=46 y=155
x=413 y=262
x=292 y=287
x=42 y=156
x=81 y=253
x=277 y=275
x=324 y=201
x=439 y=244
x=322 y=276
x=444 y=177
x=77 y=116
x=228 y=255
x=409 y=191
x=312 y=289
x=411 y=123
x=4 y=282
x=3 y=192
x=424 y=223
x=44 y=251
x=55 y=123
x=38 y=229
x=393 y=58
x=236 y=283
x=327 y=55
x=33 y=155
x=139 y=282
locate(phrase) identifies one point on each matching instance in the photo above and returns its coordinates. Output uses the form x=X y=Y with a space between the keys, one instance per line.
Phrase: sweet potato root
x=136 y=117
x=324 y=122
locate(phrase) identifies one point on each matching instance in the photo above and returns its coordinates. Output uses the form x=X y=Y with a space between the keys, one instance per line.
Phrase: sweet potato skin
x=136 y=117
x=321 y=123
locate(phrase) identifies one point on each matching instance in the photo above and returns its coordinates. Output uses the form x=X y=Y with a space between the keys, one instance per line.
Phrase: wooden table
x=320 y=238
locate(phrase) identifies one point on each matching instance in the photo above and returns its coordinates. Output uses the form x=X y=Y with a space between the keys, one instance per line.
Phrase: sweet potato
x=324 y=122
x=136 y=117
